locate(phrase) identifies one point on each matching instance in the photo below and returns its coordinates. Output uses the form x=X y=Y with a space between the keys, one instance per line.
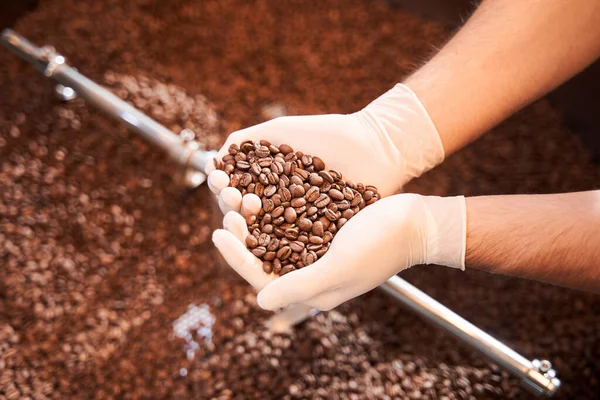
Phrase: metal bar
x=539 y=382
x=54 y=66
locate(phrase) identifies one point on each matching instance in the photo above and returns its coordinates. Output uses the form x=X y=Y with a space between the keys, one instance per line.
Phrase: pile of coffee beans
x=101 y=252
x=303 y=203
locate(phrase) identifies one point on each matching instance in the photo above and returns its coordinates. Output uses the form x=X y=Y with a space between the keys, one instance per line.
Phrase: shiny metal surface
x=539 y=379
x=184 y=152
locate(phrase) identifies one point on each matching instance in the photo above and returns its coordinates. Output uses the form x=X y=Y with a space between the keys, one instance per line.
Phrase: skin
x=509 y=54
x=553 y=238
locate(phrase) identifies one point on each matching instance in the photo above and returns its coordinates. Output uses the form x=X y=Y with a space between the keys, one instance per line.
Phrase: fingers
x=230 y=199
x=217 y=180
x=251 y=205
x=240 y=259
x=296 y=287
x=236 y=224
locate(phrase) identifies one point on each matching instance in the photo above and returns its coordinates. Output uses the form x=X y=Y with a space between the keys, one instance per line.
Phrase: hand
x=385 y=238
x=385 y=145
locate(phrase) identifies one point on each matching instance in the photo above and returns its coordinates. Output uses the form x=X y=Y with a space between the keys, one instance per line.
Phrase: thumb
x=240 y=259
x=296 y=286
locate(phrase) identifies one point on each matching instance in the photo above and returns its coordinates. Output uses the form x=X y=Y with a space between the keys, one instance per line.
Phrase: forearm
x=508 y=54
x=553 y=238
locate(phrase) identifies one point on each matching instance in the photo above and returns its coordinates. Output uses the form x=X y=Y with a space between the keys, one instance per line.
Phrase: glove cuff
x=446 y=231
x=399 y=115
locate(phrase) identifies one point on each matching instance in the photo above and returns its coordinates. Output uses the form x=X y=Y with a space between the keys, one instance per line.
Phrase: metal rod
x=53 y=65
x=537 y=378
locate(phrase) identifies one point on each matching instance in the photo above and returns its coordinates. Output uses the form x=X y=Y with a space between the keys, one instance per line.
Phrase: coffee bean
x=315 y=240
x=322 y=201
x=318 y=164
x=312 y=194
x=331 y=215
x=297 y=190
x=284 y=253
x=286 y=269
x=259 y=251
x=297 y=246
x=347 y=214
x=292 y=233
x=298 y=202
x=263 y=239
x=309 y=258
x=285 y=149
x=314 y=246
x=277 y=211
x=341 y=222
x=336 y=194
x=251 y=241
x=290 y=215
x=269 y=256
x=318 y=229
x=315 y=179
x=268 y=205
x=304 y=224
x=270 y=191
x=367 y=195
x=273 y=244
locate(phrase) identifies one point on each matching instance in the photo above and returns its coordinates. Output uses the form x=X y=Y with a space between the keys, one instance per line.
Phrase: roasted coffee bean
x=294 y=257
x=292 y=233
x=251 y=241
x=233 y=149
x=312 y=210
x=268 y=205
x=309 y=258
x=276 y=200
x=326 y=176
x=343 y=205
x=251 y=220
x=325 y=187
x=298 y=202
x=296 y=180
x=269 y=256
x=322 y=201
x=270 y=191
x=367 y=195
x=297 y=190
x=315 y=179
x=283 y=253
x=356 y=200
x=301 y=173
x=262 y=178
x=318 y=164
x=341 y=222
x=321 y=252
x=336 y=194
x=267 y=267
x=312 y=194
x=304 y=224
x=278 y=221
x=314 y=246
x=273 y=244
x=234 y=180
x=263 y=239
x=277 y=211
x=303 y=239
x=318 y=228
x=347 y=214
x=285 y=149
x=331 y=215
x=348 y=193
x=297 y=246
x=268 y=228
x=259 y=251
x=286 y=269
x=262 y=151
x=315 y=239
x=285 y=194
x=290 y=215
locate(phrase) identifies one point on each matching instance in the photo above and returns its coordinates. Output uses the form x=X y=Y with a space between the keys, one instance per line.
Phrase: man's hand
x=386 y=144
x=385 y=238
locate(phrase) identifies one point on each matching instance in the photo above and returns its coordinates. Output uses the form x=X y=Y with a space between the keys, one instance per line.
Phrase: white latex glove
x=386 y=144
x=385 y=238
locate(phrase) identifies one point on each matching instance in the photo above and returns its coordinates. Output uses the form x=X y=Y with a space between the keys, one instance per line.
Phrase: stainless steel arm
x=54 y=66
x=537 y=376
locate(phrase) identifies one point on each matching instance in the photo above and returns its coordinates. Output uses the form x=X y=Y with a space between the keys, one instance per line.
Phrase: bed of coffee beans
x=303 y=203
x=101 y=253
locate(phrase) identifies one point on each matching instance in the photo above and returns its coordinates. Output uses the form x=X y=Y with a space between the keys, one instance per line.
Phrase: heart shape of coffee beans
x=303 y=203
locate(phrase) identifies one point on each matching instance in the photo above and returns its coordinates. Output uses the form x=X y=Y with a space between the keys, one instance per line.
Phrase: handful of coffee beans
x=303 y=203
